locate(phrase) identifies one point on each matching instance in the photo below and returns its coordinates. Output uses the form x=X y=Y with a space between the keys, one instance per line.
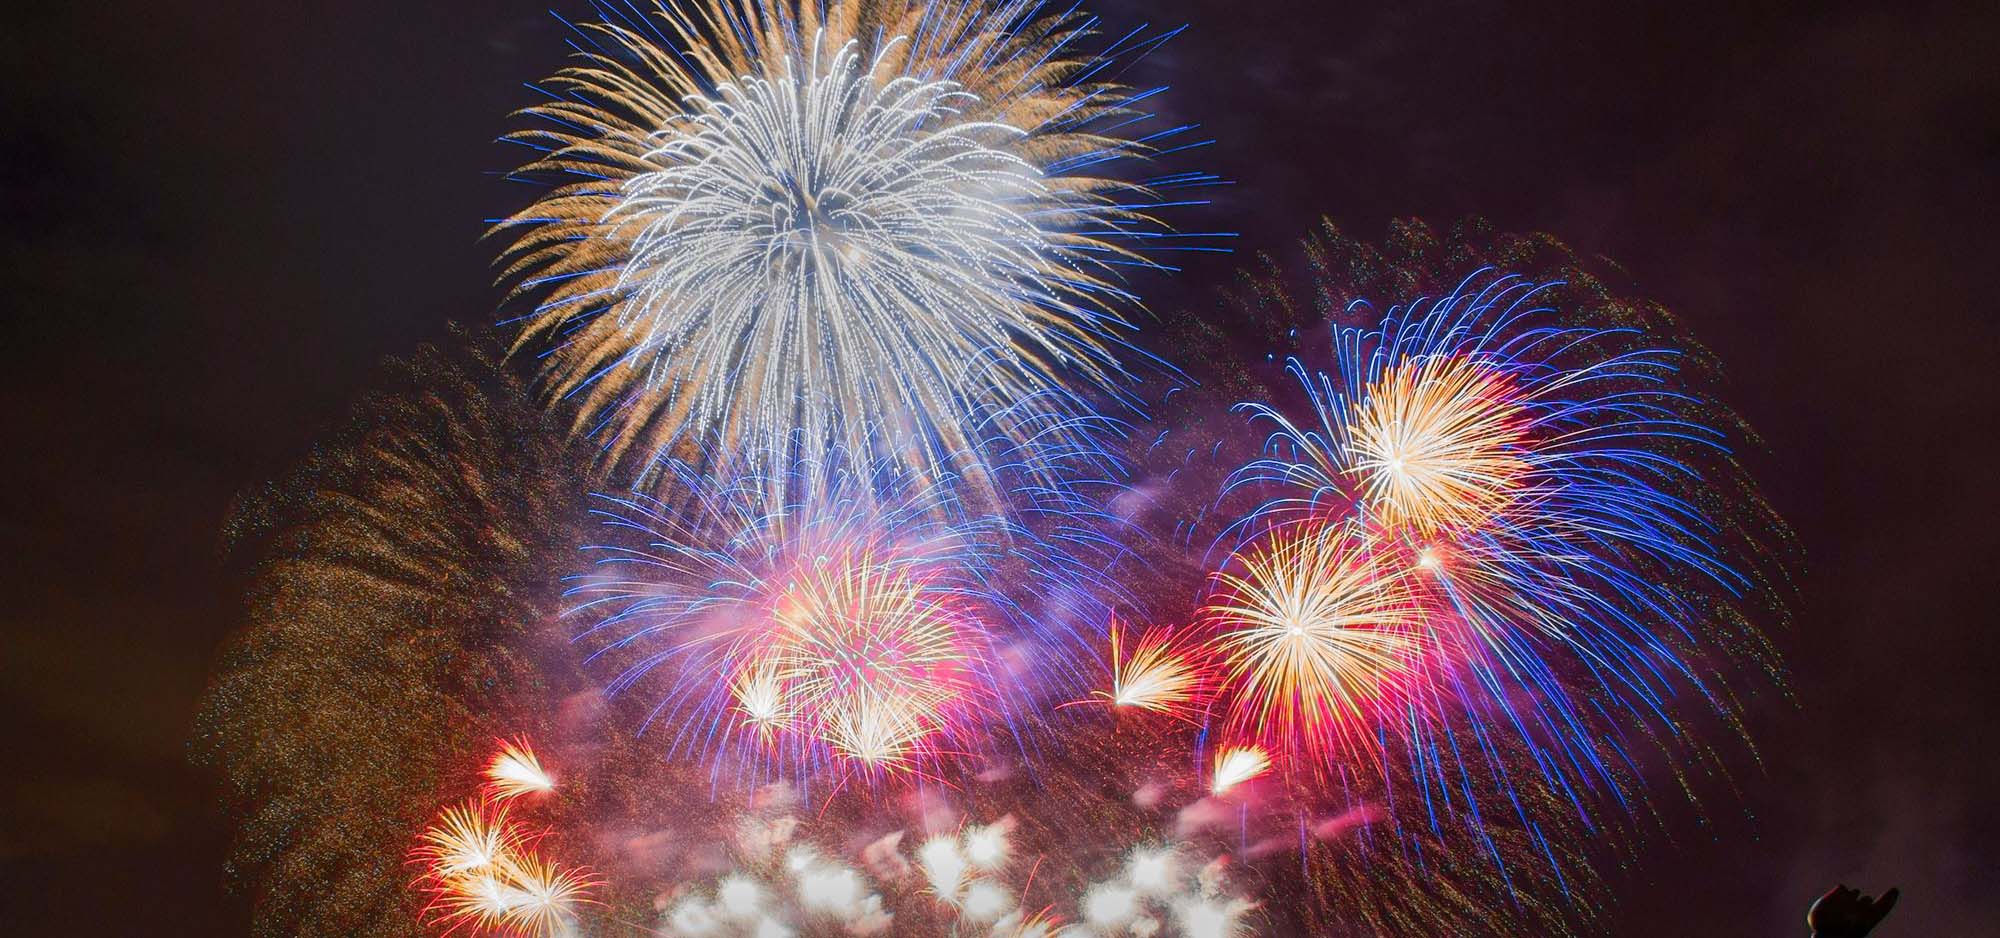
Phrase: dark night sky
x=215 y=220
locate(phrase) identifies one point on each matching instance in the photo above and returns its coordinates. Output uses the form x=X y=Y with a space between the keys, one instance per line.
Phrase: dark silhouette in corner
x=1846 y=913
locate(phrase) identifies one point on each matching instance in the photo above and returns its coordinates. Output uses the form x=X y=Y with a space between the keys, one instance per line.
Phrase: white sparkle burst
x=872 y=228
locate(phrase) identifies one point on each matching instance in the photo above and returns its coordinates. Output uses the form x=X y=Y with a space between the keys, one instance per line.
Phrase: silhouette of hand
x=1846 y=913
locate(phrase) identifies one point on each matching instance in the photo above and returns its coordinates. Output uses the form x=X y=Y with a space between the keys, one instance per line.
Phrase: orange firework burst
x=1437 y=443
x=1313 y=629
x=1161 y=674
x=871 y=656
x=481 y=870
x=544 y=896
x=515 y=771
x=1236 y=765
x=470 y=839
x=479 y=899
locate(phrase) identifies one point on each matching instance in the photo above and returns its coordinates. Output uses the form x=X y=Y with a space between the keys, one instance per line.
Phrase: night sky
x=215 y=220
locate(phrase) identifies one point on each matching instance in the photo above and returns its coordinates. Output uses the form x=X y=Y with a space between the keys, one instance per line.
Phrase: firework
x=858 y=628
x=480 y=900
x=468 y=840
x=1316 y=633
x=515 y=771
x=1236 y=765
x=959 y=868
x=400 y=587
x=986 y=901
x=1348 y=855
x=865 y=226
x=1212 y=919
x=1152 y=870
x=986 y=848
x=1526 y=493
x=543 y=896
x=759 y=691
x=481 y=870
x=874 y=652
x=1161 y=674
x=953 y=883
x=778 y=886
x=1437 y=444
x=944 y=866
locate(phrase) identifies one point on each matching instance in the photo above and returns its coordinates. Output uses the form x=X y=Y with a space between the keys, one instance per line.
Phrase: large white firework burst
x=879 y=228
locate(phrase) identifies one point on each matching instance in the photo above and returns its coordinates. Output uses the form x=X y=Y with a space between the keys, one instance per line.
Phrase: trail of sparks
x=515 y=772
x=1162 y=673
x=1236 y=765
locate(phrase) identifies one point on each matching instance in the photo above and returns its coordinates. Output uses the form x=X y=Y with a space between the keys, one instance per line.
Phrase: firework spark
x=1151 y=870
x=515 y=771
x=468 y=839
x=481 y=870
x=858 y=627
x=1236 y=765
x=1315 y=632
x=1161 y=674
x=484 y=899
x=987 y=847
x=450 y=484
x=944 y=867
x=1529 y=497
x=951 y=883
x=1437 y=444
x=759 y=691
x=1212 y=918
x=853 y=225
x=847 y=641
x=543 y=896
x=874 y=653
